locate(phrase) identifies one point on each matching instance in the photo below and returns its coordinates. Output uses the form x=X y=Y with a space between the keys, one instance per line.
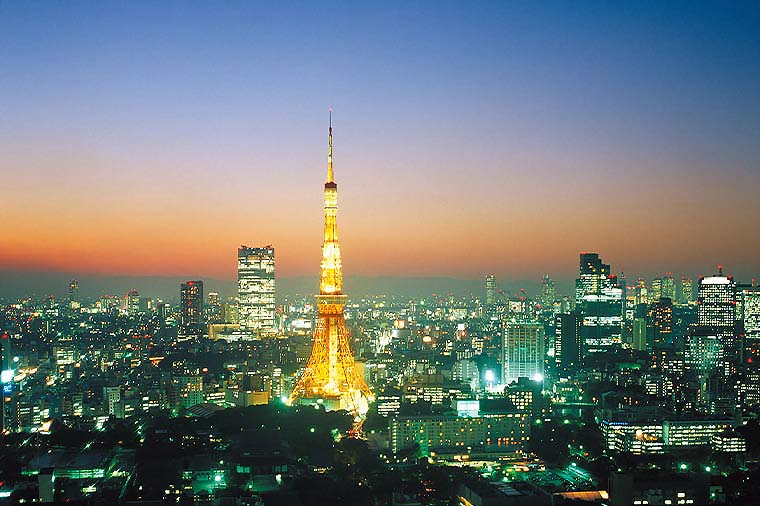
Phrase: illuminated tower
x=331 y=377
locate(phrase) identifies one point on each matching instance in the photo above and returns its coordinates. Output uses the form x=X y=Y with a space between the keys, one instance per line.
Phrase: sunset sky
x=153 y=138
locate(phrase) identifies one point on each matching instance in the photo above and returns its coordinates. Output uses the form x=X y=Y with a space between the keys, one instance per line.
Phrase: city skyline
x=544 y=290
x=467 y=149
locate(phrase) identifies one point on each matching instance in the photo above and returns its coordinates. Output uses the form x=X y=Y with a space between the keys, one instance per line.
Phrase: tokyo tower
x=331 y=377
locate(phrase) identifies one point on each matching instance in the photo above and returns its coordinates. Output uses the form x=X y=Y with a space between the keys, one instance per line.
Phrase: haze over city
x=397 y=253
x=153 y=139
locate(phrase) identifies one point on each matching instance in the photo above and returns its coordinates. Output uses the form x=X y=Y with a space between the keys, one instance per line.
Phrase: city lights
x=545 y=290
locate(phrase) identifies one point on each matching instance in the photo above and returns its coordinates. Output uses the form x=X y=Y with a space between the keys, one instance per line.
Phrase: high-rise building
x=642 y=292
x=187 y=390
x=668 y=287
x=748 y=308
x=74 y=302
x=686 y=295
x=256 y=285
x=331 y=376
x=191 y=307
x=112 y=401
x=548 y=293
x=655 y=293
x=568 y=349
x=660 y=322
x=639 y=339
x=704 y=352
x=716 y=312
x=132 y=302
x=592 y=275
x=230 y=312
x=599 y=300
x=490 y=290
x=623 y=284
x=522 y=351
x=214 y=308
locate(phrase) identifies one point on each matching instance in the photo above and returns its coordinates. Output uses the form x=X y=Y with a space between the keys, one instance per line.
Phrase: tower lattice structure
x=331 y=377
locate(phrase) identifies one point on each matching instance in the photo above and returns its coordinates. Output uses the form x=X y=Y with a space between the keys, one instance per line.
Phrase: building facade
x=522 y=351
x=256 y=289
x=191 y=308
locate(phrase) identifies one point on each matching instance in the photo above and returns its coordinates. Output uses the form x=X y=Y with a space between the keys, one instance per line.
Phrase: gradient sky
x=155 y=137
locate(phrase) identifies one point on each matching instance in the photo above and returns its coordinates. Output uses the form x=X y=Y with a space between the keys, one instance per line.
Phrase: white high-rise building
x=716 y=313
x=749 y=313
x=522 y=352
x=490 y=289
x=256 y=286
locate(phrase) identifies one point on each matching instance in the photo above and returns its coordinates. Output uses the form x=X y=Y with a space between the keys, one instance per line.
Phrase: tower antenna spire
x=330 y=175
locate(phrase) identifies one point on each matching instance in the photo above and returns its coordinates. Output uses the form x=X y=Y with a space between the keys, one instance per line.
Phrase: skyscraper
x=568 y=348
x=522 y=352
x=668 y=287
x=490 y=290
x=660 y=322
x=749 y=315
x=331 y=376
x=639 y=335
x=548 y=293
x=74 y=302
x=592 y=274
x=716 y=312
x=599 y=300
x=214 y=308
x=256 y=285
x=642 y=292
x=686 y=295
x=656 y=291
x=191 y=308
x=132 y=302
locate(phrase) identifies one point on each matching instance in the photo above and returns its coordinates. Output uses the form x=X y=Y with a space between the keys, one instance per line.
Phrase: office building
x=132 y=302
x=660 y=322
x=686 y=295
x=471 y=431
x=112 y=402
x=641 y=291
x=191 y=308
x=522 y=351
x=599 y=299
x=256 y=289
x=748 y=314
x=668 y=287
x=690 y=433
x=490 y=290
x=656 y=290
x=73 y=299
x=187 y=390
x=653 y=488
x=548 y=293
x=716 y=314
x=639 y=336
x=567 y=341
